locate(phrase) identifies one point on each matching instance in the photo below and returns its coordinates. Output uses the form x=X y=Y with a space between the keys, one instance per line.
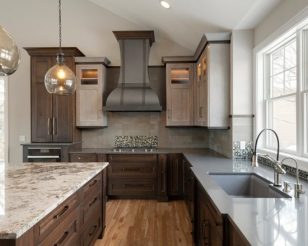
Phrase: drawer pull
x=127 y=169
x=93 y=230
x=61 y=240
x=93 y=201
x=133 y=185
x=93 y=183
x=57 y=216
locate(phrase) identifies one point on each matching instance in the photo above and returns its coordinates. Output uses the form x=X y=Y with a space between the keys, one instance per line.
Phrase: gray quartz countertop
x=30 y=191
x=141 y=151
x=263 y=221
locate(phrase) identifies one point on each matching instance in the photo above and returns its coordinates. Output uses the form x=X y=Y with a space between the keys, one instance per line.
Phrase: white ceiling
x=186 y=20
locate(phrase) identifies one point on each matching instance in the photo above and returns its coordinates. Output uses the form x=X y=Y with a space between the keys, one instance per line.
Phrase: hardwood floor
x=146 y=223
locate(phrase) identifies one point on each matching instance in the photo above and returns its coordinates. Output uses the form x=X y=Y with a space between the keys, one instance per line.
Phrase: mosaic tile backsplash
x=290 y=170
x=136 y=142
x=242 y=150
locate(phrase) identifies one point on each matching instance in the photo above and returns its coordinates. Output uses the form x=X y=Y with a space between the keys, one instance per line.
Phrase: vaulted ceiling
x=186 y=20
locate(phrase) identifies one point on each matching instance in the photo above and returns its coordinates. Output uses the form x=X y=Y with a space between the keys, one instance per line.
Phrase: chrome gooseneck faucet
x=277 y=166
x=298 y=188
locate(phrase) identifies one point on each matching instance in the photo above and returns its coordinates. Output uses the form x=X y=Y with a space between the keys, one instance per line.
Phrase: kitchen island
x=48 y=203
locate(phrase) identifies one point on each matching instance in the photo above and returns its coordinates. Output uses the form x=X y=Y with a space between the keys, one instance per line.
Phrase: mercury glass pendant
x=9 y=53
x=60 y=79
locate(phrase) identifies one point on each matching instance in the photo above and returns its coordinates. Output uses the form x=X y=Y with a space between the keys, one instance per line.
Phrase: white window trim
x=258 y=88
x=6 y=120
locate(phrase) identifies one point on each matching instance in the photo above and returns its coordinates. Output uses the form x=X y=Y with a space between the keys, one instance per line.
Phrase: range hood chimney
x=133 y=92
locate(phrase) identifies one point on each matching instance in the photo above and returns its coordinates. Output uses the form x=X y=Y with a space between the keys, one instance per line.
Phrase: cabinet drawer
x=56 y=217
x=91 y=230
x=95 y=185
x=146 y=169
x=83 y=157
x=137 y=158
x=92 y=206
x=66 y=233
x=128 y=187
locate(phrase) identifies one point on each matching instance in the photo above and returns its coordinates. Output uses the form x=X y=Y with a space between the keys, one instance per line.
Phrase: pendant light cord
x=60 y=28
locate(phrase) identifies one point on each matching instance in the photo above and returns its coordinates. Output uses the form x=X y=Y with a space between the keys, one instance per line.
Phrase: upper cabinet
x=179 y=87
x=198 y=87
x=91 y=79
x=52 y=117
x=212 y=94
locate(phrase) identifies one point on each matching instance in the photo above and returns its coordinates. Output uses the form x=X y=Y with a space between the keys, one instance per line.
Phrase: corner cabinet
x=179 y=88
x=52 y=117
x=212 y=86
x=91 y=79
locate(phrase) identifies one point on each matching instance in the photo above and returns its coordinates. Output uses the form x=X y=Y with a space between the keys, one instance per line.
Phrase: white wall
x=33 y=23
x=241 y=72
x=277 y=18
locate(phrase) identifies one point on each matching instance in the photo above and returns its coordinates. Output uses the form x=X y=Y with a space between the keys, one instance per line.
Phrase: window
x=285 y=92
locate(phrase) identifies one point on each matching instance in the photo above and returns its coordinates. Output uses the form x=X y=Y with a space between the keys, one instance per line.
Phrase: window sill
x=301 y=161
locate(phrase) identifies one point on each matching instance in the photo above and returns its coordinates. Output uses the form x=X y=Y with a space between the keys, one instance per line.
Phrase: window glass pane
x=290 y=55
x=277 y=61
x=290 y=81
x=282 y=118
x=2 y=135
x=306 y=121
x=305 y=58
x=277 y=85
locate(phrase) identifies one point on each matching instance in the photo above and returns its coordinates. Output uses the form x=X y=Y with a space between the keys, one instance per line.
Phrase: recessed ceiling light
x=165 y=4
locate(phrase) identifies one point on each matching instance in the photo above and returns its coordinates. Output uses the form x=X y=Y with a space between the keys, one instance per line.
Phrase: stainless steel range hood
x=134 y=92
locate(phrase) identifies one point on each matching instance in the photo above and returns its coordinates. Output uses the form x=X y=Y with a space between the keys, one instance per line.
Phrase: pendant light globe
x=9 y=53
x=60 y=79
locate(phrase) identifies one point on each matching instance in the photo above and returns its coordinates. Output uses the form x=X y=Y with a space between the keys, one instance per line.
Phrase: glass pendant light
x=59 y=79
x=9 y=53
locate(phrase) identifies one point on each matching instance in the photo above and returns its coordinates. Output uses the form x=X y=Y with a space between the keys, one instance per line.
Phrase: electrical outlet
x=22 y=139
x=242 y=144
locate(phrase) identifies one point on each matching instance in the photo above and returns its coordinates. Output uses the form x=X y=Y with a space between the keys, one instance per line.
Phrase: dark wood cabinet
x=235 y=237
x=83 y=157
x=132 y=176
x=189 y=193
x=209 y=221
x=52 y=117
x=175 y=176
x=162 y=194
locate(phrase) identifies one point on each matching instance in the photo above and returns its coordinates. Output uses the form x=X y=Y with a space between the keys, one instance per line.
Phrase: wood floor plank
x=146 y=223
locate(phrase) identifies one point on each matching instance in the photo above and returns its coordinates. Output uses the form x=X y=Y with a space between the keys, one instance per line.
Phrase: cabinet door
x=62 y=121
x=63 y=113
x=89 y=95
x=162 y=178
x=41 y=101
x=175 y=175
x=179 y=94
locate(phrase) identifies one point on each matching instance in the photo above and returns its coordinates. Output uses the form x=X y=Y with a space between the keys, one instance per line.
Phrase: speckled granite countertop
x=263 y=221
x=30 y=191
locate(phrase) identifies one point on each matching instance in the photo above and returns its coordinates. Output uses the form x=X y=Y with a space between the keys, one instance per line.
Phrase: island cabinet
x=132 y=176
x=52 y=117
x=78 y=221
x=209 y=223
x=179 y=88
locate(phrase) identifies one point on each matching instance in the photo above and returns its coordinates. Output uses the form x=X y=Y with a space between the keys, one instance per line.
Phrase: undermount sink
x=248 y=185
